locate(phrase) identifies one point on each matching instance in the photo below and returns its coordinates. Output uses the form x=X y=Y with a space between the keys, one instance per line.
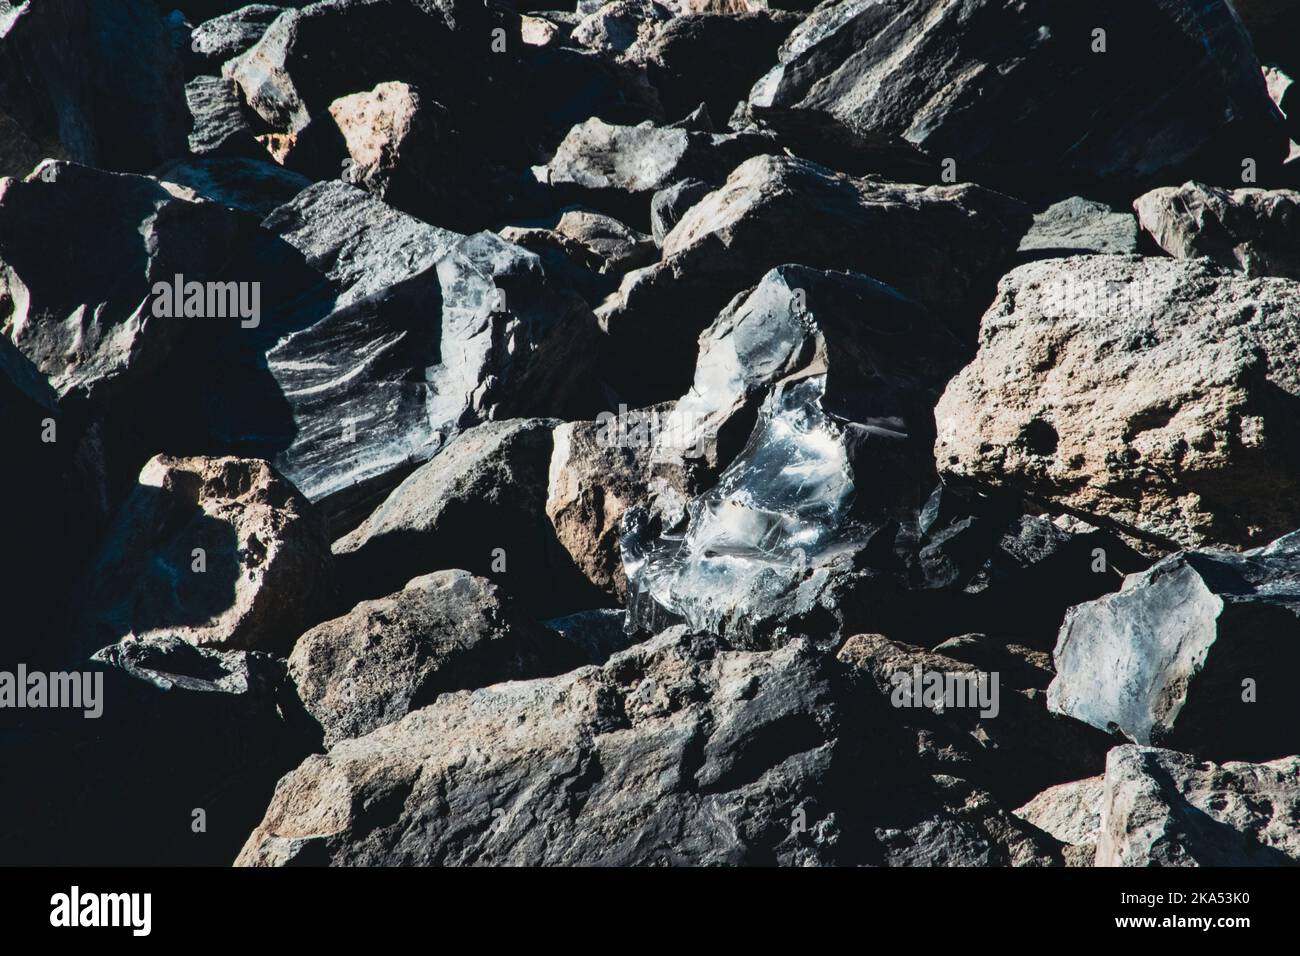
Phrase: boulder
x=1071 y=812
x=95 y=83
x=80 y=304
x=1078 y=227
x=221 y=552
x=1253 y=231
x=939 y=245
x=1027 y=89
x=1162 y=808
x=1196 y=654
x=1156 y=395
x=443 y=632
x=479 y=505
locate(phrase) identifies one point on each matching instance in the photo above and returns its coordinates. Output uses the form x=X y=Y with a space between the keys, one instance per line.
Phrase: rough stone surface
x=1157 y=394
x=266 y=572
x=1077 y=226
x=1254 y=231
x=1071 y=812
x=1196 y=654
x=220 y=127
x=443 y=632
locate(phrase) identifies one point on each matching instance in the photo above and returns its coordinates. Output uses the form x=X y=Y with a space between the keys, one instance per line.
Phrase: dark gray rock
x=668 y=205
x=96 y=83
x=1076 y=227
x=256 y=186
x=1253 y=231
x=227 y=36
x=1015 y=87
x=220 y=126
x=597 y=634
x=443 y=632
x=1197 y=654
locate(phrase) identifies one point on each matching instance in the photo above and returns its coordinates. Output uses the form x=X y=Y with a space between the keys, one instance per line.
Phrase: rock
x=593 y=480
x=1013 y=89
x=96 y=83
x=1195 y=654
x=598 y=634
x=220 y=127
x=1071 y=812
x=256 y=186
x=993 y=732
x=1156 y=395
x=80 y=303
x=617 y=25
x=545 y=31
x=479 y=505
x=668 y=205
x=189 y=729
x=227 y=36
x=1284 y=92
x=1077 y=226
x=1162 y=808
x=443 y=632
x=221 y=552
x=588 y=241
x=1254 y=231
x=907 y=236
x=677 y=751
x=698 y=55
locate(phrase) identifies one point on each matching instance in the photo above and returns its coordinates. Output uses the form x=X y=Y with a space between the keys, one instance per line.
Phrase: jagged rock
x=1015 y=87
x=1077 y=226
x=1156 y=394
x=588 y=241
x=221 y=552
x=549 y=30
x=220 y=127
x=1162 y=808
x=96 y=83
x=79 y=303
x=617 y=25
x=1254 y=231
x=227 y=36
x=594 y=479
x=1196 y=654
x=995 y=732
x=677 y=751
x=443 y=632
x=256 y=186
x=1071 y=812
x=620 y=167
x=598 y=634
x=182 y=729
x=698 y=56
x=479 y=505
x=668 y=205
x=938 y=244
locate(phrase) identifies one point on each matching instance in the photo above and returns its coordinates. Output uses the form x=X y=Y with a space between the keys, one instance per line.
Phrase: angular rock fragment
x=1162 y=808
x=80 y=305
x=1071 y=812
x=1027 y=87
x=617 y=25
x=95 y=83
x=1196 y=654
x=1254 y=231
x=443 y=632
x=668 y=205
x=226 y=36
x=1078 y=226
x=480 y=506
x=1158 y=395
x=938 y=244
x=181 y=728
x=220 y=552
x=220 y=126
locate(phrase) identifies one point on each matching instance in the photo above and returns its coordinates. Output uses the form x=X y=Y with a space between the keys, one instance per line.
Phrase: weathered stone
x=617 y=25
x=1195 y=654
x=668 y=205
x=1254 y=231
x=1071 y=812
x=217 y=551
x=1077 y=226
x=1159 y=395
x=220 y=126
x=1162 y=808
x=227 y=36
x=1015 y=86
x=443 y=632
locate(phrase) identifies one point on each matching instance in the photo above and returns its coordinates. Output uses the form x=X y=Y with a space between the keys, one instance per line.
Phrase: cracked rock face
x=1014 y=85
x=1254 y=231
x=1197 y=654
x=221 y=552
x=1162 y=808
x=443 y=632
x=1160 y=395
